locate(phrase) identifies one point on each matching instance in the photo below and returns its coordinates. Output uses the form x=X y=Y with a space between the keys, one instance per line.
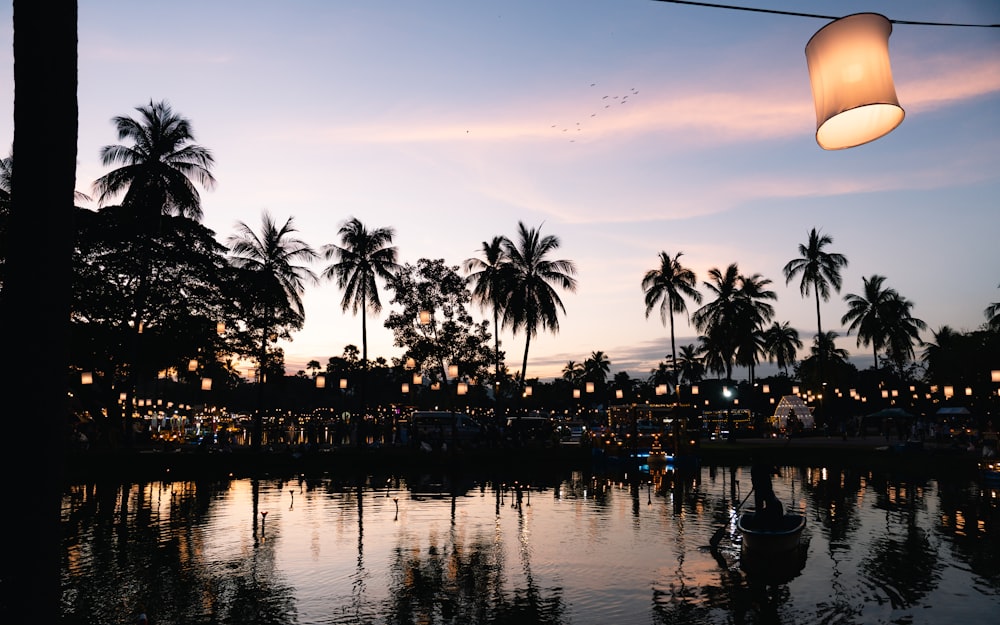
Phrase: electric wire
x=714 y=5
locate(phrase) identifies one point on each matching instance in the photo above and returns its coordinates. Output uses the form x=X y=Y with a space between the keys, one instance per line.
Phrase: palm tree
x=533 y=301
x=690 y=365
x=270 y=258
x=781 y=344
x=716 y=319
x=489 y=277
x=739 y=309
x=667 y=286
x=362 y=256
x=597 y=367
x=992 y=314
x=573 y=372
x=866 y=312
x=902 y=331
x=820 y=270
x=159 y=168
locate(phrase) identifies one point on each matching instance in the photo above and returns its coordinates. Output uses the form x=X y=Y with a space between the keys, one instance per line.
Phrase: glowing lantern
x=851 y=81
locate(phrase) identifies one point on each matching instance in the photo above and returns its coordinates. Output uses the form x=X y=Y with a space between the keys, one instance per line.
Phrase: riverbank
x=836 y=453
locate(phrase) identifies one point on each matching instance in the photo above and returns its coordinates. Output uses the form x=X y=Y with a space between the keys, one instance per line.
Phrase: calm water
x=580 y=548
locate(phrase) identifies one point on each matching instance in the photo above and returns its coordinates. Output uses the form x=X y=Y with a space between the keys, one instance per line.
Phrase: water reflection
x=582 y=547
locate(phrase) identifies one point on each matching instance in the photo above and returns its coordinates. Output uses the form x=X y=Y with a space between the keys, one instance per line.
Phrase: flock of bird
x=604 y=106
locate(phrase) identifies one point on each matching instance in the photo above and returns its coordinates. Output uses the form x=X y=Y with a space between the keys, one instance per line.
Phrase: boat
x=989 y=469
x=772 y=539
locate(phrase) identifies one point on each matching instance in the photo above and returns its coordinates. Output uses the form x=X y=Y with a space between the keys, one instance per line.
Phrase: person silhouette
x=767 y=509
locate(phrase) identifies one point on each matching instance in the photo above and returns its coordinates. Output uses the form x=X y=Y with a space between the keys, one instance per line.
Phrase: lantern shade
x=192 y=365
x=590 y=387
x=851 y=81
x=86 y=378
x=418 y=379
x=453 y=371
x=411 y=363
x=206 y=384
x=425 y=317
x=220 y=327
x=766 y=388
x=405 y=387
x=343 y=382
x=463 y=388
x=576 y=393
x=320 y=381
x=527 y=391
x=661 y=389
x=619 y=394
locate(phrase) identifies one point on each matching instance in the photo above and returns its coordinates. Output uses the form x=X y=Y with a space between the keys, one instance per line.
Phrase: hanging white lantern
x=463 y=388
x=576 y=393
x=694 y=390
x=766 y=388
x=220 y=327
x=321 y=381
x=851 y=81
x=86 y=378
x=411 y=363
x=343 y=383
x=590 y=387
x=527 y=391
x=206 y=384
x=405 y=387
x=661 y=389
x=425 y=317
x=192 y=365
x=418 y=379
x=619 y=394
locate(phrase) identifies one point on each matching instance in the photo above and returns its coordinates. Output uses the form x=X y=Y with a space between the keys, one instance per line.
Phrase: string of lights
x=714 y=5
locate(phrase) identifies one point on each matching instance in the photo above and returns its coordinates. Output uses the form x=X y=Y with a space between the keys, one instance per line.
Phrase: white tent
x=792 y=404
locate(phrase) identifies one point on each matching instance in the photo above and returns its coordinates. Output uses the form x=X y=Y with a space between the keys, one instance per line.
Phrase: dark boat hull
x=780 y=538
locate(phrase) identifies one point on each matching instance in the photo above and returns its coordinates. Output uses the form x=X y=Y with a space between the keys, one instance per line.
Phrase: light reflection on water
x=578 y=548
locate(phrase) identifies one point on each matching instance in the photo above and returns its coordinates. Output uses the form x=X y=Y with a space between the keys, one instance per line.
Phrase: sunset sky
x=625 y=128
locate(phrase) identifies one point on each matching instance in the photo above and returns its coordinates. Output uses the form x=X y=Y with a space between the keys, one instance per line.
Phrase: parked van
x=437 y=426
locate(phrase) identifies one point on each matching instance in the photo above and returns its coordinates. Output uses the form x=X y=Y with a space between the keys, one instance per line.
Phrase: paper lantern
x=192 y=365
x=463 y=388
x=320 y=381
x=576 y=393
x=661 y=389
x=619 y=394
x=405 y=387
x=590 y=387
x=206 y=384
x=220 y=327
x=851 y=81
x=453 y=371
x=343 y=383
x=86 y=378
x=527 y=391
x=418 y=379
x=425 y=317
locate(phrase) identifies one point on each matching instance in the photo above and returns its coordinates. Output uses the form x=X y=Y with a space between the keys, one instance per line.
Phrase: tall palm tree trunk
x=524 y=362
x=496 y=359
x=673 y=356
x=364 y=376
x=45 y=142
x=258 y=421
